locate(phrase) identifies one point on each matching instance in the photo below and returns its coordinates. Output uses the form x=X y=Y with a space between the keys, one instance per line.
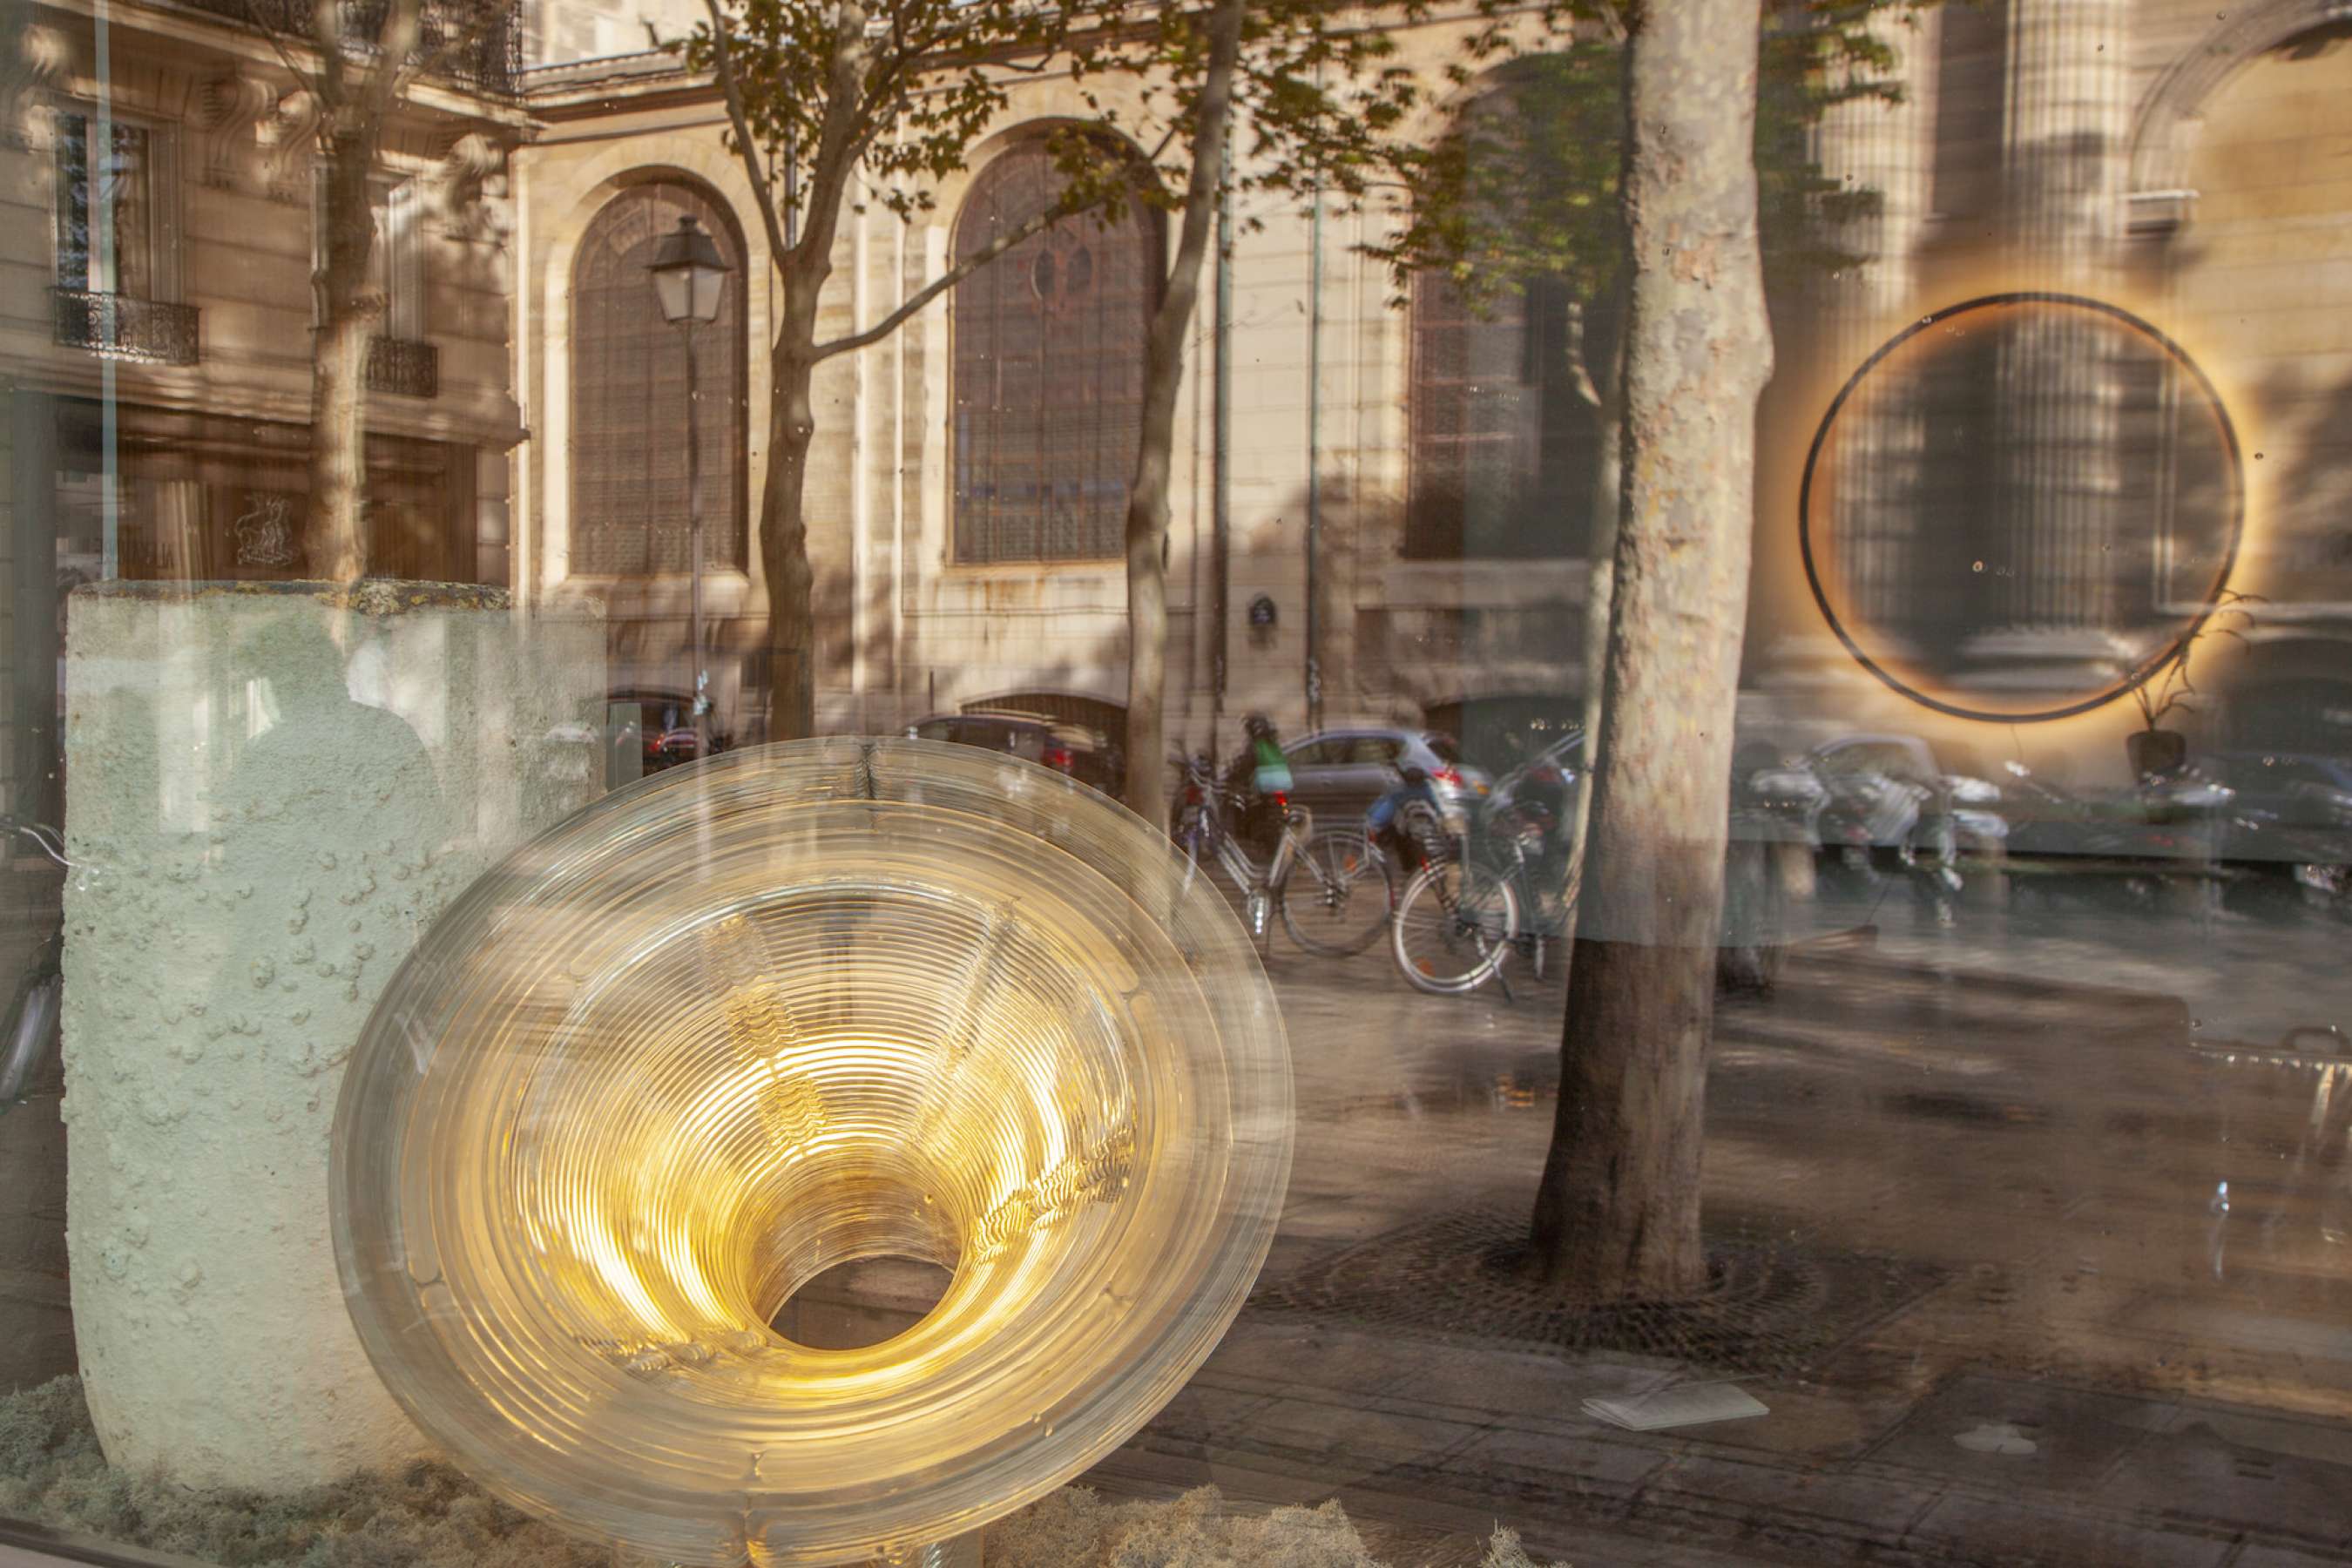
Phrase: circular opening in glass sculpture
x=852 y=1305
x=795 y=1008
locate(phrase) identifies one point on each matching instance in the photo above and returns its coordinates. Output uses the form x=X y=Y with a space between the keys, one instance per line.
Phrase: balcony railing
x=489 y=57
x=121 y=326
x=404 y=366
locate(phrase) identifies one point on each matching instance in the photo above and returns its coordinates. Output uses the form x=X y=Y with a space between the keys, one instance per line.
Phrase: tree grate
x=1769 y=1308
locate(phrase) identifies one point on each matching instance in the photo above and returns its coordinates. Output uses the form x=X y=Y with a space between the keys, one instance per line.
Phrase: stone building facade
x=155 y=314
x=157 y=186
x=2143 y=152
x=1377 y=503
x=2185 y=166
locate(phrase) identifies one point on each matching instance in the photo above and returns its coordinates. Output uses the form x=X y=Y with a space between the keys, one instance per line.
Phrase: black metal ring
x=2147 y=667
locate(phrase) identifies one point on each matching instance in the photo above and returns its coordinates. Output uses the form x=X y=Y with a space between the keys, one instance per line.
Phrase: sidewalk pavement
x=2084 y=1358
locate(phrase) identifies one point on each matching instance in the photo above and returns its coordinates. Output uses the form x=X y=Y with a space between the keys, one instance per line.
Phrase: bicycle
x=30 y=1037
x=1462 y=915
x=1202 y=831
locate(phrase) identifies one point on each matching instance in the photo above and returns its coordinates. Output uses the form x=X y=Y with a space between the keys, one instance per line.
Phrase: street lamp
x=689 y=279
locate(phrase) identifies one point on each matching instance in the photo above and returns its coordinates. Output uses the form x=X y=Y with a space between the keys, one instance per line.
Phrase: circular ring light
x=788 y=1008
x=2097 y=310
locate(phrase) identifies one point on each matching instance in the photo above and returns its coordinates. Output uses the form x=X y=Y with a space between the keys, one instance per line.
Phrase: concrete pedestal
x=271 y=791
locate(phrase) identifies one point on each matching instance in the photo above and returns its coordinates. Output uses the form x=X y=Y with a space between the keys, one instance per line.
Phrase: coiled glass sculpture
x=792 y=1007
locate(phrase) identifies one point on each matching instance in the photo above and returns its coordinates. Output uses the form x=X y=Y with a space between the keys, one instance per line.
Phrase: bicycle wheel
x=1454 y=926
x=1187 y=837
x=1339 y=894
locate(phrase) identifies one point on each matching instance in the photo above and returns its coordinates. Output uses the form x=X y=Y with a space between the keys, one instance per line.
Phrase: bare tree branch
x=327 y=37
x=404 y=29
x=731 y=89
x=947 y=280
x=300 y=73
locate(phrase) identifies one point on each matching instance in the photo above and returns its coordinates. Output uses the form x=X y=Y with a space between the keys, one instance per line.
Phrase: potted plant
x=2165 y=688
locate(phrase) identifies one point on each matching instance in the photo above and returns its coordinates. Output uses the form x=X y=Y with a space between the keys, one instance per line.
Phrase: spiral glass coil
x=792 y=1007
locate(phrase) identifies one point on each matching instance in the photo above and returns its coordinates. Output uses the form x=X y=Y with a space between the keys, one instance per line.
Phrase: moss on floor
x=428 y=1515
x=424 y=1516
x=1075 y=1529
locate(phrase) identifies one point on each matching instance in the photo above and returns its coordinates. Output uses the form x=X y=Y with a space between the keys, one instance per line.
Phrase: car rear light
x=1059 y=757
x=1450 y=777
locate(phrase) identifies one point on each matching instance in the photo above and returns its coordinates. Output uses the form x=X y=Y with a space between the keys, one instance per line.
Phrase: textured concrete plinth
x=271 y=792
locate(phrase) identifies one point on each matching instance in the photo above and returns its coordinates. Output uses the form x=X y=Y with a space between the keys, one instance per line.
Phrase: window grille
x=628 y=442
x=1505 y=451
x=1048 y=372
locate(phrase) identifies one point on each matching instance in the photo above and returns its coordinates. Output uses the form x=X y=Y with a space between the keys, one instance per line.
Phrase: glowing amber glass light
x=783 y=1010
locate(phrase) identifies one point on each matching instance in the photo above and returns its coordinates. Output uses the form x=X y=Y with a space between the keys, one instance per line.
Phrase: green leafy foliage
x=904 y=87
x=1524 y=186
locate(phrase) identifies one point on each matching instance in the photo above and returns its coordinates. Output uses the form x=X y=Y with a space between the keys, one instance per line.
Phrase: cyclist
x=1260 y=783
x=1385 y=818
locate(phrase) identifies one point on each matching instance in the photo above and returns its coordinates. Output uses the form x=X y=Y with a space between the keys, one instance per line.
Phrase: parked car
x=1083 y=752
x=659 y=725
x=2186 y=815
x=1339 y=774
x=2297 y=789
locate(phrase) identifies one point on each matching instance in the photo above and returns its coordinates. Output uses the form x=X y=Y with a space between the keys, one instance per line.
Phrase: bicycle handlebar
x=50 y=841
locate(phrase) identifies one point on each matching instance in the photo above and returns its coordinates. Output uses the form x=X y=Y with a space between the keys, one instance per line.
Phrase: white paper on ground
x=1684 y=1404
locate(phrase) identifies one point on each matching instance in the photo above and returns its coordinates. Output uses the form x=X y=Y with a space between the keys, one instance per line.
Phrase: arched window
x=1049 y=372
x=1504 y=448
x=1505 y=444
x=629 y=502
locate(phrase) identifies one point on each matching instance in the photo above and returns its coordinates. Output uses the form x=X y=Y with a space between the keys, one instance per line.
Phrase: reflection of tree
x=362 y=61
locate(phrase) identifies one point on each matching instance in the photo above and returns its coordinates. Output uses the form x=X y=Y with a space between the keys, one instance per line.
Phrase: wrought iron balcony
x=490 y=33
x=404 y=366
x=122 y=326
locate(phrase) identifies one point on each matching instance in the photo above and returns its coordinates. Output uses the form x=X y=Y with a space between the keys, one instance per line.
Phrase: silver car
x=1339 y=774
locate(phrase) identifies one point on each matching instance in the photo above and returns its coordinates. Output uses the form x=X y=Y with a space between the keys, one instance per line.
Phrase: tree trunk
x=783 y=545
x=1608 y=505
x=1163 y=377
x=1618 y=1212
x=1607 y=400
x=347 y=314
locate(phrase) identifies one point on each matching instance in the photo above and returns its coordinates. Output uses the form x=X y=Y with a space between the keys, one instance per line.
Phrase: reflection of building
x=563 y=31
x=1382 y=511
x=970 y=481
x=1421 y=478
x=155 y=332
x=157 y=183
x=2166 y=157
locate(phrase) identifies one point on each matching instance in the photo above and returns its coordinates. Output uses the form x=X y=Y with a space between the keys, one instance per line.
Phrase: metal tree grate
x=1769 y=1309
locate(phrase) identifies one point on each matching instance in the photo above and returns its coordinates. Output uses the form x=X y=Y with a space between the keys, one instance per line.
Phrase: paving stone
x=2194 y=1470
x=1504 y=1385
x=1559 y=1465
x=2005 y=1432
x=1882 y=1509
x=2329 y=1441
x=1809 y=1424
x=1347 y=1442
x=2259 y=1556
x=1972 y=1529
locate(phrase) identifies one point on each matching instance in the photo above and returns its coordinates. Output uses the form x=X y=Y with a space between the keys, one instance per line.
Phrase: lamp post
x=689 y=280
